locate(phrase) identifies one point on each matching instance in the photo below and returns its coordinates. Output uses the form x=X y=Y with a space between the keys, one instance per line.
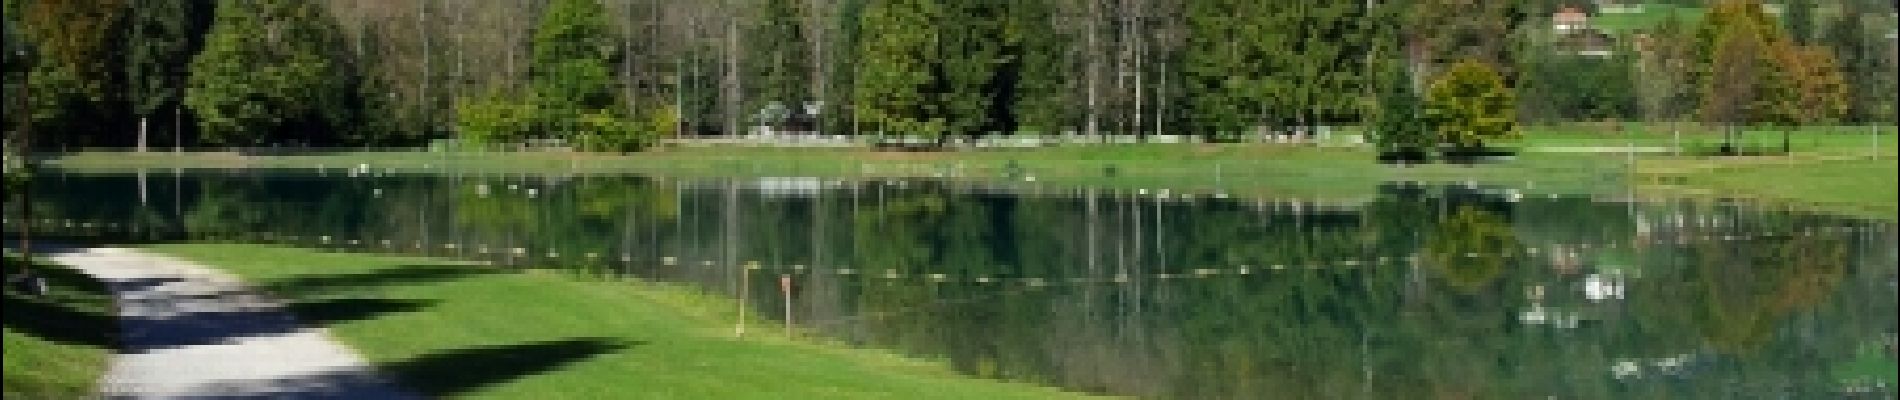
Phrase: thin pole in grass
x=1629 y=144
x=745 y=283
x=785 y=292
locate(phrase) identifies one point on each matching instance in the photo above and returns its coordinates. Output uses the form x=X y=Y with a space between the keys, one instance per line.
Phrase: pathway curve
x=192 y=332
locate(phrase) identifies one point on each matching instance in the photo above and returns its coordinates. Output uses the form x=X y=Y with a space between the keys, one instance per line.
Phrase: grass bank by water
x=1273 y=170
x=56 y=344
x=1855 y=186
x=452 y=329
x=1581 y=165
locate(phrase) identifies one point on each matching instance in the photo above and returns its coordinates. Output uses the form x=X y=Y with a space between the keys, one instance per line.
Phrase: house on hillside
x=1568 y=20
x=1618 y=7
x=1575 y=36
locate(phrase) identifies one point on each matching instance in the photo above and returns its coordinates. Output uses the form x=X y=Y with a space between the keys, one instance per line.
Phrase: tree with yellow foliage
x=1469 y=104
x=1754 y=75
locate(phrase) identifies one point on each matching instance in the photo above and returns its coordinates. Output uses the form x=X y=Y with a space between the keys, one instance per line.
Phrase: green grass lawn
x=461 y=330
x=1868 y=365
x=1857 y=186
x=1286 y=170
x=56 y=344
x=1651 y=16
x=1829 y=139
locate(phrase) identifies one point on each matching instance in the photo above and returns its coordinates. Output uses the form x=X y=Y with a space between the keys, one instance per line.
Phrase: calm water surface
x=1419 y=291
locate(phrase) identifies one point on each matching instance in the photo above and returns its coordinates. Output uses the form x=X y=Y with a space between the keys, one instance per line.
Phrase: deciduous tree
x=1469 y=104
x=162 y=38
x=77 y=80
x=1806 y=88
x=272 y=71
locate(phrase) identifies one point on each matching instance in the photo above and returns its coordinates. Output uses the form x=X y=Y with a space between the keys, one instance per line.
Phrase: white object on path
x=190 y=332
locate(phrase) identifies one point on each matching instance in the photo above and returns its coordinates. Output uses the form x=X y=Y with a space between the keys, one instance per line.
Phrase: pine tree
x=572 y=83
x=575 y=54
x=1400 y=129
x=892 y=74
x=780 y=59
x=1040 y=100
x=967 y=85
x=1225 y=69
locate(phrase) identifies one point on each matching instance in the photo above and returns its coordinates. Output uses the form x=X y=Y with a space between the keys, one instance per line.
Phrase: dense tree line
x=615 y=74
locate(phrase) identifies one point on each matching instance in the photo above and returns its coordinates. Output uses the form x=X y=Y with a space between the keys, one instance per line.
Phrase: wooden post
x=745 y=282
x=785 y=292
x=1675 y=132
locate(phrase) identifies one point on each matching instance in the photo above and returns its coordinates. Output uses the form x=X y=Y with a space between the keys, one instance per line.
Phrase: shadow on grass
x=439 y=375
x=461 y=371
x=75 y=309
x=340 y=310
x=233 y=320
x=313 y=284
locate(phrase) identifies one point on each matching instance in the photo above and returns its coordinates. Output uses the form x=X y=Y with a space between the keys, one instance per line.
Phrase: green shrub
x=495 y=119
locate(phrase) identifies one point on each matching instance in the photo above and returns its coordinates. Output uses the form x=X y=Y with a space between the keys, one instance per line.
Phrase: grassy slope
x=57 y=345
x=1652 y=15
x=539 y=335
x=1858 y=186
x=1695 y=136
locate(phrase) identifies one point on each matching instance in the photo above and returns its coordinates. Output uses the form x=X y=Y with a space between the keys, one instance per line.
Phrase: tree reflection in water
x=1420 y=291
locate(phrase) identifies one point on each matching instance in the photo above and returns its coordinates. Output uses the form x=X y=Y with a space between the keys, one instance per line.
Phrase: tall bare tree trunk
x=461 y=54
x=178 y=131
x=142 y=130
x=731 y=87
x=1091 y=71
x=689 y=64
x=508 y=54
x=816 y=27
x=1161 y=96
x=626 y=63
x=422 y=94
x=1137 y=23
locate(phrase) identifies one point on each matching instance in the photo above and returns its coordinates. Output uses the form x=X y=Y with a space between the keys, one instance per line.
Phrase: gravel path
x=192 y=332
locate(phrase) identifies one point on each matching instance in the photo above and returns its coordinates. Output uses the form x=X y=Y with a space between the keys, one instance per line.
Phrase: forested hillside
x=619 y=74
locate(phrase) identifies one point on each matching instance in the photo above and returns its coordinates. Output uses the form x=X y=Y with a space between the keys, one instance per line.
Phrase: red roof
x=1570 y=15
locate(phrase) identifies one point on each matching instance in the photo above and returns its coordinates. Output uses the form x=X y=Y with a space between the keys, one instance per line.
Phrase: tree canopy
x=1757 y=75
x=1469 y=104
x=269 y=73
x=615 y=74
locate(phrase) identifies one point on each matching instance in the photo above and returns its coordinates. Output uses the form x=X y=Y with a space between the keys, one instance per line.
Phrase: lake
x=1442 y=291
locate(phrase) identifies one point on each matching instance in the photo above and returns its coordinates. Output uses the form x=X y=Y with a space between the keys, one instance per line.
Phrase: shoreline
x=1828 y=179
